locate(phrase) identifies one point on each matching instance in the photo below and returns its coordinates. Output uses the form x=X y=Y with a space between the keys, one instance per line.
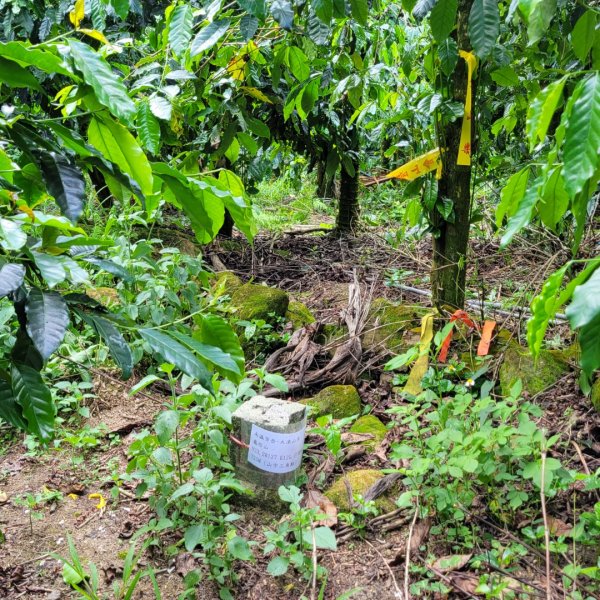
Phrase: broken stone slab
x=269 y=440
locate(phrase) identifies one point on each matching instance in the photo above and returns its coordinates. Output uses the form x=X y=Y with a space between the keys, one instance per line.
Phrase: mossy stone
x=360 y=481
x=595 y=395
x=339 y=401
x=370 y=424
x=107 y=296
x=254 y=302
x=299 y=314
x=391 y=326
x=536 y=376
x=227 y=281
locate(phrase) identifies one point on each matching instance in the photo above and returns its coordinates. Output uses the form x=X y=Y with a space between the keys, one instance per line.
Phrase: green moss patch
x=253 y=301
x=370 y=424
x=360 y=481
x=340 y=401
x=299 y=314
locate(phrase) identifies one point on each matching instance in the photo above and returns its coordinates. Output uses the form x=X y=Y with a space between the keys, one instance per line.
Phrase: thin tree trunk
x=451 y=240
x=348 y=202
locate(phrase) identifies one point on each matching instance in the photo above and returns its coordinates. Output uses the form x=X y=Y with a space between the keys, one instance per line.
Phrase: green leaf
x=16 y=76
x=298 y=63
x=222 y=361
x=323 y=9
x=39 y=56
x=360 y=11
x=209 y=36
x=583 y=35
x=512 y=194
x=165 y=425
x=51 y=267
x=317 y=30
x=448 y=55
x=180 y=29
x=70 y=575
x=505 y=76
x=35 y=398
x=107 y=86
x=120 y=147
x=161 y=107
x=47 y=320
x=538 y=15
x=582 y=138
x=174 y=352
x=524 y=212
x=443 y=19
x=148 y=128
x=423 y=8
x=121 y=7
x=64 y=181
x=194 y=535
x=324 y=538
x=283 y=13
x=257 y=8
x=238 y=548
x=117 y=346
x=585 y=306
x=278 y=566
x=484 y=26
x=12 y=236
x=541 y=111
x=10 y=410
x=258 y=128
x=555 y=200
x=11 y=278
x=216 y=331
x=589 y=339
x=248 y=27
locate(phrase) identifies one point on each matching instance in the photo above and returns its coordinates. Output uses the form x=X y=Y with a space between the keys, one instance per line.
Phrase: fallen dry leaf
x=558 y=527
x=452 y=562
x=419 y=535
x=467 y=583
x=356 y=438
x=314 y=499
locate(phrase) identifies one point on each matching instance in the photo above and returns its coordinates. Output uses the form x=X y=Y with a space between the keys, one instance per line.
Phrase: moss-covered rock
x=339 y=401
x=105 y=295
x=595 y=395
x=395 y=327
x=226 y=281
x=370 y=424
x=360 y=481
x=253 y=301
x=536 y=376
x=299 y=314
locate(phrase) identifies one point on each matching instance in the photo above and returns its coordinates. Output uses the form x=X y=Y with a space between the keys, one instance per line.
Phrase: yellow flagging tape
x=426 y=163
x=413 y=385
x=464 y=149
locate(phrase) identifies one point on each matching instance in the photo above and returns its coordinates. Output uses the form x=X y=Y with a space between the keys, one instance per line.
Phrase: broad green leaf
x=323 y=9
x=248 y=27
x=120 y=147
x=121 y=7
x=511 y=195
x=318 y=31
x=538 y=15
x=10 y=410
x=165 y=425
x=107 y=86
x=524 y=212
x=236 y=202
x=222 y=361
x=161 y=107
x=585 y=306
x=582 y=138
x=543 y=308
x=541 y=111
x=298 y=63
x=360 y=11
x=51 y=267
x=448 y=55
x=583 y=35
x=238 y=548
x=11 y=278
x=555 y=200
x=35 y=398
x=174 y=352
x=423 y=8
x=278 y=566
x=16 y=76
x=505 y=76
x=111 y=336
x=324 y=538
x=111 y=267
x=484 y=26
x=209 y=36
x=589 y=339
x=257 y=8
x=194 y=535
x=12 y=236
x=39 y=56
x=47 y=320
x=148 y=128
x=443 y=19
x=282 y=13
x=216 y=332
x=64 y=181
x=180 y=29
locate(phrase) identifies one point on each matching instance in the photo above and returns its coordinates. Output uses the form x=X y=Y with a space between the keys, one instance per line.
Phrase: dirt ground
x=317 y=269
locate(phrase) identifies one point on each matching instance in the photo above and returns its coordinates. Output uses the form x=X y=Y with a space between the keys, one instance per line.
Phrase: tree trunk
x=451 y=240
x=348 y=202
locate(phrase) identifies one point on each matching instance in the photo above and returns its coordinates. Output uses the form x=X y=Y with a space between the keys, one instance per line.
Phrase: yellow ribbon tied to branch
x=431 y=160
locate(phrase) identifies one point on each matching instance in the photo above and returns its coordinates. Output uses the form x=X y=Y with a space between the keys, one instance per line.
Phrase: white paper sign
x=275 y=452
